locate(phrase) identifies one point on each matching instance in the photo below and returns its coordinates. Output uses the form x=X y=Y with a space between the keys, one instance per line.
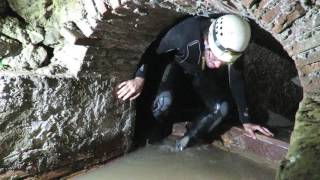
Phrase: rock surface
x=51 y=117
x=57 y=92
x=301 y=161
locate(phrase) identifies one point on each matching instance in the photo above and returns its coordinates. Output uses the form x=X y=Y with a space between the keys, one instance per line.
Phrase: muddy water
x=162 y=163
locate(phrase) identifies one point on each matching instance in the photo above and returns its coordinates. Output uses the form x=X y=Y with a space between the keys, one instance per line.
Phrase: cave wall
x=61 y=61
x=60 y=64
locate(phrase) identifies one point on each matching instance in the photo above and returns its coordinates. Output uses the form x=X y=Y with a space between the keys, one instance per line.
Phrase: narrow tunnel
x=272 y=85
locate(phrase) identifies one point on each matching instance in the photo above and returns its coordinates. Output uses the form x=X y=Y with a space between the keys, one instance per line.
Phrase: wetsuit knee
x=204 y=125
x=162 y=105
x=210 y=120
x=221 y=108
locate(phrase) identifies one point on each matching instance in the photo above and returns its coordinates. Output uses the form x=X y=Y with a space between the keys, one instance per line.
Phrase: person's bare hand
x=130 y=89
x=251 y=128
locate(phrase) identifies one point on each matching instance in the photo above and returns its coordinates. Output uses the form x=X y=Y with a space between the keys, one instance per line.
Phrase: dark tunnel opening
x=272 y=83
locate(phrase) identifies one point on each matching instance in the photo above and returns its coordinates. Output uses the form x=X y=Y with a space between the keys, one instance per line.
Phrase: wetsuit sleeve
x=238 y=92
x=174 y=41
x=141 y=71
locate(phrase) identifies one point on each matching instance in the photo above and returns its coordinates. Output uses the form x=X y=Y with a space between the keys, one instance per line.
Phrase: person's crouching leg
x=204 y=124
x=160 y=110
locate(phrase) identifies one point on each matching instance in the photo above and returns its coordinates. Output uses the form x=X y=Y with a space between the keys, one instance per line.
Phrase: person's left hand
x=251 y=128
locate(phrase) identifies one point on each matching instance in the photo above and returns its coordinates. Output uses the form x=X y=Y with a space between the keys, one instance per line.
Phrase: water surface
x=161 y=162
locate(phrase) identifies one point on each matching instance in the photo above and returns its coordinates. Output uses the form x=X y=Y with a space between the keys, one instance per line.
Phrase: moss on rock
x=302 y=161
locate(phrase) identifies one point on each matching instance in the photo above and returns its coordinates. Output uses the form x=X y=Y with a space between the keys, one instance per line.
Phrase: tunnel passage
x=272 y=85
x=272 y=82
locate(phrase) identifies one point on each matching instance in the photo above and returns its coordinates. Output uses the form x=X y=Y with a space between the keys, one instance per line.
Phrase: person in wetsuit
x=201 y=48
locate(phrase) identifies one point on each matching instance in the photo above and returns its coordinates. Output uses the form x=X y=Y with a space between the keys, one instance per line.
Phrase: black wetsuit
x=213 y=86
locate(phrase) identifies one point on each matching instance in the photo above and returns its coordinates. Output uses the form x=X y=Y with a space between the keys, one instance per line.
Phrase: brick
x=270 y=15
x=310 y=68
x=304 y=45
x=312 y=58
x=302 y=28
x=285 y=20
x=264 y=6
x=311 y=85
x=298 y=31
x=249 y=3
x=258 y=12
x=264 y=3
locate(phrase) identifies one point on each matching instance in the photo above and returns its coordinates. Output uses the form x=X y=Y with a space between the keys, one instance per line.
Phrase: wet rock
x=14 y=29
x=9 y=47
x=52 y=36
x=68 y=115
x=31 y=57
x=36 y=34
x=33 y=12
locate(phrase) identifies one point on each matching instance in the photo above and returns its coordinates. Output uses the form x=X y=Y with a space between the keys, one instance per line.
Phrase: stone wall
x=45 y=119
x=55 y=110
x=60 y=65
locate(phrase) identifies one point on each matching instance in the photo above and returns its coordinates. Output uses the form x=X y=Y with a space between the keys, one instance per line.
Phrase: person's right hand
x=130 y=89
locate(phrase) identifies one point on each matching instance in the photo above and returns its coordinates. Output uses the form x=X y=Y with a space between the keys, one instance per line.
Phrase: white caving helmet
x=228 y=37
